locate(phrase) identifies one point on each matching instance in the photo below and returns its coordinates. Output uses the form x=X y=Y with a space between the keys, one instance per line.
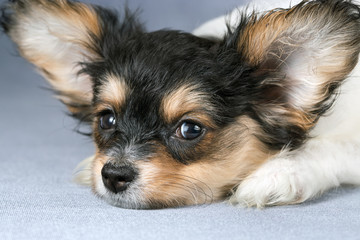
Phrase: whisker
x=207 y=186
x=184 y=187
x=190 y=189
x=197 y=188
x=172 y=197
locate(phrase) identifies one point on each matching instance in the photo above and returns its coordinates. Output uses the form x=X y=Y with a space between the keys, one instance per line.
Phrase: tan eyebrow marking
x=185 y=99
x=114 y=91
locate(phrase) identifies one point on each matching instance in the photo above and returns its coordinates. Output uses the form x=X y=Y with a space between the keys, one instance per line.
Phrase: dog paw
x=275 y=183
x=82 y=173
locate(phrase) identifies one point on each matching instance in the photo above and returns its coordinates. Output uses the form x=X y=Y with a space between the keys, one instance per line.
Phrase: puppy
x=264 y=115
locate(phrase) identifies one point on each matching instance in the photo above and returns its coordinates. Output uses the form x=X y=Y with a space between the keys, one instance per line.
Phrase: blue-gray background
x=39 y=150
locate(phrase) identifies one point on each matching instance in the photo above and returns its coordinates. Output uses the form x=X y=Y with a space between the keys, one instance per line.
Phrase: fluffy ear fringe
x=301 y=56
x=60 y=37
x=56 y=36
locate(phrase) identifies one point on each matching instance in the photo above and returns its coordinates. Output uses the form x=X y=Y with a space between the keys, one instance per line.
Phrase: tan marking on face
x=167 y=182
x=186 y=100
x=113 y=91
x=97 y=185
x=234 y=154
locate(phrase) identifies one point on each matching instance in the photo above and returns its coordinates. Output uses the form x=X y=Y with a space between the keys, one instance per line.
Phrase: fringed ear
x=57 y=36
x=300 y=56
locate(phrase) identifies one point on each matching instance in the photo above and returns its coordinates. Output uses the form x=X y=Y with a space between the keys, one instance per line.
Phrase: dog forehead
x=167 y=101
x=186 y=99
x=158 y=57
x=161 y=70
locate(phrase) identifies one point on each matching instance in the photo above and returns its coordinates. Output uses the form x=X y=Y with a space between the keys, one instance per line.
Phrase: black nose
x=117 y=178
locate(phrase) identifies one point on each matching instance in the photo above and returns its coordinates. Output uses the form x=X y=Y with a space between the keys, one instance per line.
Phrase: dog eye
x=107 y=121
x=189 y=130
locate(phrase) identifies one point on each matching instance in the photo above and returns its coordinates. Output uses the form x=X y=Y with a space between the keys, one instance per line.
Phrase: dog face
x=178 y=119
x=164 y=133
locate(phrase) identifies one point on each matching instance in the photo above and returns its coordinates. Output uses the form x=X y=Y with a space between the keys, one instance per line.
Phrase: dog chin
x=123 y=200
x=130 y=198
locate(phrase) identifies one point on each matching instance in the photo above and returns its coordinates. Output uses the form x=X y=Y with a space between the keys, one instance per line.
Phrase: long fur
x=328 y=159
x=258 y=110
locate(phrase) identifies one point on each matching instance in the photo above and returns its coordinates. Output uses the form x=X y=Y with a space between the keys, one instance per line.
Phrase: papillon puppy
x=265 y=114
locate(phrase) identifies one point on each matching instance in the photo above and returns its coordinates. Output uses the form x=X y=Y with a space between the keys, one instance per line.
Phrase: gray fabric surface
x=39 y=150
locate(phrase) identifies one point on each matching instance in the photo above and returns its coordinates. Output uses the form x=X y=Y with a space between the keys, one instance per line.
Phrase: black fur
x=252 y=103
x=155 y=63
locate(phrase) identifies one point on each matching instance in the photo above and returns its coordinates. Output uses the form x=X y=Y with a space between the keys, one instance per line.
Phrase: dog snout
x=117 y=178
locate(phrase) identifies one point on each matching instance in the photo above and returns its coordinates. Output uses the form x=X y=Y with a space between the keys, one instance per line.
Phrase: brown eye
x=189 y=130
x=107 y=121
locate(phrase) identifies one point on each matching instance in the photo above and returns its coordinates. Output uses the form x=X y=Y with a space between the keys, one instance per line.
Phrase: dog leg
x=293 y=178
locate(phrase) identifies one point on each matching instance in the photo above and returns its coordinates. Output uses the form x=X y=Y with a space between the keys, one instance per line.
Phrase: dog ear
x=300 y=56
x=58 y=37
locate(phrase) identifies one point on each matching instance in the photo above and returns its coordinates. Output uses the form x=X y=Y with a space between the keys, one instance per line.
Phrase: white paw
x=277 y=182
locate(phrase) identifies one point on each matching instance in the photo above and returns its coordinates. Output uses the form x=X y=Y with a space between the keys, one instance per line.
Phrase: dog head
x=178 y=119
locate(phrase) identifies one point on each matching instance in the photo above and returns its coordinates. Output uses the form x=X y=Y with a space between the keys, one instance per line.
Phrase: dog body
x=331 y=156
x=261 y=113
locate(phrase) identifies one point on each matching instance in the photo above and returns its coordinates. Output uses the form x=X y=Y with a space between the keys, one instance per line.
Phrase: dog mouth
x=145 y=192
x=135 y=197
x=123 y=194
x=139 y=195
x=147 y=186
x=117 y=185
x=131 y=198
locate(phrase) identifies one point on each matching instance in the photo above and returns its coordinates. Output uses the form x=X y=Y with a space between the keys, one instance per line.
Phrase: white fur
x=82 y=172
x=330 y=158
x=41 y=35
x=217 y=27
